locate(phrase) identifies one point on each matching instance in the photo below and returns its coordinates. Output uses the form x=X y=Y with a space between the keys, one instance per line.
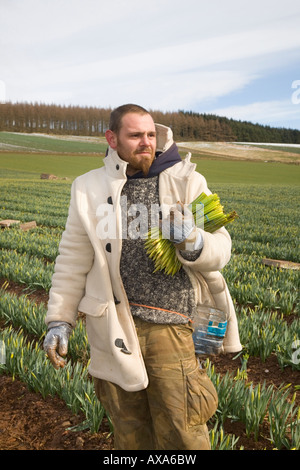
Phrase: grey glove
x=179 y=227
x=56 y=342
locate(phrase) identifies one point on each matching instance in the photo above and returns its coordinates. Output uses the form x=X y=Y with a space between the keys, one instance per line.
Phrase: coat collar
x=115 y=166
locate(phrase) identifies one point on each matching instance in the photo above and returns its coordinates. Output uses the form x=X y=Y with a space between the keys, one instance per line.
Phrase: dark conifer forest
x=93 y=121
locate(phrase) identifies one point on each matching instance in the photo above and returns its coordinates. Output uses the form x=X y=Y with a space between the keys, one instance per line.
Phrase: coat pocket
x=92 y=306
x=201 y=398
x=96 y=322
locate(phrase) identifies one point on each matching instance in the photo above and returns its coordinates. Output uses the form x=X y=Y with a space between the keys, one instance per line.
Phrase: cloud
x=202 y=54
x=187 y=90
x=197 y=60
x=167 y=56
x=266 y=112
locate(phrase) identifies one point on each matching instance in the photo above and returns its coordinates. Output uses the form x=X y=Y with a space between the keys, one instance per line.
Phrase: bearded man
x=138 y=322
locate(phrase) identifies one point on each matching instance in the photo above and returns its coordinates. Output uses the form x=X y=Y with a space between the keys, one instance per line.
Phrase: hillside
x=244 y=151
x=31 y=142
x=81 y=145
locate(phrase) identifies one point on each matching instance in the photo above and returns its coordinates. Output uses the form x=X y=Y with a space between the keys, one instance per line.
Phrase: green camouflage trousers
x=171 y=413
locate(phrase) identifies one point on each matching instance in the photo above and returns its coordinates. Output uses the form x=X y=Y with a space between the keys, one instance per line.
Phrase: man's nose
x=145 y=141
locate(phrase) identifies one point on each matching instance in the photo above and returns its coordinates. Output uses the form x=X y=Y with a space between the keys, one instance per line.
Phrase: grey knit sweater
x=163 y=293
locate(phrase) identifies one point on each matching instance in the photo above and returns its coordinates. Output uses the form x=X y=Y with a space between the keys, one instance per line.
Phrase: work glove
x=56 y=342
x=180 y=228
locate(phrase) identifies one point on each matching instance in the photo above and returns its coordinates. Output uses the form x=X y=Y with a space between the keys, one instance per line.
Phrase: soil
x=29 y=422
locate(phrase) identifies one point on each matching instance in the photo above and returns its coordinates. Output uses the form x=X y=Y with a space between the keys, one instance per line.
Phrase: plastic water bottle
x=209 y=330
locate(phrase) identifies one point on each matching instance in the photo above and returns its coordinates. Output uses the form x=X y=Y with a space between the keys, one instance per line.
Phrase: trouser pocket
x=201 y=397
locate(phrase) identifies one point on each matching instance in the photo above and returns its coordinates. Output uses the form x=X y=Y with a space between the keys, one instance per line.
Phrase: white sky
x=232 y=58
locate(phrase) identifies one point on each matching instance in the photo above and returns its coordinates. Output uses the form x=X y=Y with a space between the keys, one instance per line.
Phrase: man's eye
x=137 y=136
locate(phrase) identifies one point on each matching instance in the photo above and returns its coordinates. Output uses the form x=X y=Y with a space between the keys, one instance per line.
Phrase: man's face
x=136 y=142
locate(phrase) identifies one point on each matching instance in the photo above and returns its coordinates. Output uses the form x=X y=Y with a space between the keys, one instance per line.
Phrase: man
x=138 y=322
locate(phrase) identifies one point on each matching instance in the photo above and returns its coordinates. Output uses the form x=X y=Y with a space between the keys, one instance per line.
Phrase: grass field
x=61 y=165
x=215 y=171
x=51 y=143
x=71 y=156
x=245 y=172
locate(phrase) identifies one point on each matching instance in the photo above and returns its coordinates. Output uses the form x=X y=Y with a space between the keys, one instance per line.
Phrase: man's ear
x=111 y=139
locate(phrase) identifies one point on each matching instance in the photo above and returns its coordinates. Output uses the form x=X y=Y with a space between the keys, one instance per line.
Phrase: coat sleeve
x=215 y=254
x=74 y=261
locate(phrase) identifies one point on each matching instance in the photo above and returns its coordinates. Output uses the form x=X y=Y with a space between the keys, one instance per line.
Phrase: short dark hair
x=115 y=122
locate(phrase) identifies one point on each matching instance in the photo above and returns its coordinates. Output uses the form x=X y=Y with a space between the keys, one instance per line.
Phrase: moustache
x=147 y=150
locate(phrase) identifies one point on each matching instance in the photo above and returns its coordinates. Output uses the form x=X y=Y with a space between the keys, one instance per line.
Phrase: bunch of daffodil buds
x=208 y=214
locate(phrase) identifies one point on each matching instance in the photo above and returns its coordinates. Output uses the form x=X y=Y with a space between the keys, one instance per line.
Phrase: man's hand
x=56 y=342
x=179 y=227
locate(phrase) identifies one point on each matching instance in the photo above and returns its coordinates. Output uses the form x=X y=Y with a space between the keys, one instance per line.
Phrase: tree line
x=94 y=121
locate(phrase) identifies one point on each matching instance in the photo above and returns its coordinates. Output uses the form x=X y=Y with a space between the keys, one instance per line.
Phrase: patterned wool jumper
x=163 y=292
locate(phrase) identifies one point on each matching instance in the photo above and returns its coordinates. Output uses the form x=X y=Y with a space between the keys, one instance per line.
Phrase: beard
x=140 y=162
x=145 y=163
